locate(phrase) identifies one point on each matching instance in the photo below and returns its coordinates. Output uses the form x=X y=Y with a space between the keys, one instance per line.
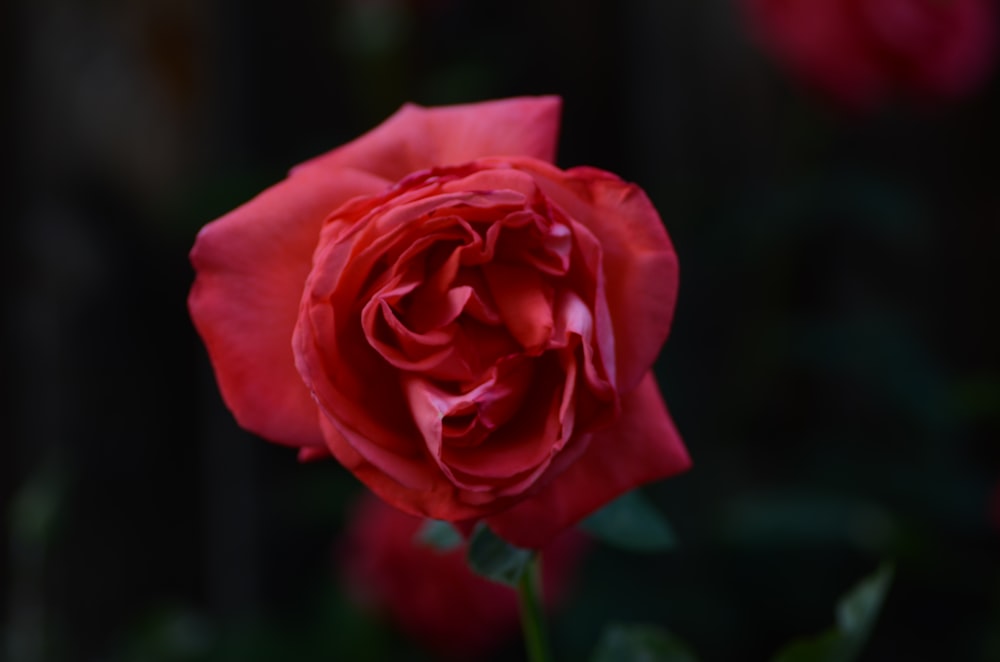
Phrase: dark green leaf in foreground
x=439 y=535
x=494 y=558
x=856 y=615
x=641 y=643
x=632 y=523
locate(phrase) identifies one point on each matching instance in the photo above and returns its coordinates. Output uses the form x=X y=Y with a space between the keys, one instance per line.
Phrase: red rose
x=470 y=335
x=431 y=595
x=861 y=51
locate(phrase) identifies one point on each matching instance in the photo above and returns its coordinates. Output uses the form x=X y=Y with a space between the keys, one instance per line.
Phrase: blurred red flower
x=432 y=596
x=861 y=52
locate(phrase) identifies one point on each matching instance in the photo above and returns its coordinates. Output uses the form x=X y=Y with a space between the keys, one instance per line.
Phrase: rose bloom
x=467 y=328
x=432 y=596
x=860 y=52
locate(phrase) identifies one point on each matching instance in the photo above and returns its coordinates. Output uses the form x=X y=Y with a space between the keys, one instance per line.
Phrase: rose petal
x=357 y=388
x=417 y=485
x=639 y=263
x=313 y=453
x=524 y=447
x=524 y=301
x=416 y=138
x=493 y=179
x=434 y=498
x=642 y=446
x=251 y=268
x=575 y=321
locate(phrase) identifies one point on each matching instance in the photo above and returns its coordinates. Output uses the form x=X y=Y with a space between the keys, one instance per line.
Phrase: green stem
x=532 y=621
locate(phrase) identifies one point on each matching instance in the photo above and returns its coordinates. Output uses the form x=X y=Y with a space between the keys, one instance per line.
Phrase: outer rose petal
x=417 y=138
x=423 y=496
x=251 y=268
x=642 y=446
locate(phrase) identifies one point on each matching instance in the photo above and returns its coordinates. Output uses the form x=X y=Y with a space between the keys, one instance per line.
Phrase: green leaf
x=856 y=615
x=857 y=611
x=439 y=535
x=632 y=523
x=493 y=557
x=641 y=643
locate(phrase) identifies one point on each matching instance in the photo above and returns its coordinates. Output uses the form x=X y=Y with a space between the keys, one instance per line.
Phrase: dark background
x=834 y=365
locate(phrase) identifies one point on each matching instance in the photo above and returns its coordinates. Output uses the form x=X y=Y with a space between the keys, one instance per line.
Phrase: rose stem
x=532 y=623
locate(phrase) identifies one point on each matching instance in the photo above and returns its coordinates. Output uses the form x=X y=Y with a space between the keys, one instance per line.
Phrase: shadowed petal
x=642 y=446
x=639 y=262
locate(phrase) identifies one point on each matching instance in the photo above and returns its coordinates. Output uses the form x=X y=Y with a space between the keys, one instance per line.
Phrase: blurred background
x=834 y=365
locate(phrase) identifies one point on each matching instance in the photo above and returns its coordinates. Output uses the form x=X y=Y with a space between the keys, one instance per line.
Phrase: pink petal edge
x=416 y=138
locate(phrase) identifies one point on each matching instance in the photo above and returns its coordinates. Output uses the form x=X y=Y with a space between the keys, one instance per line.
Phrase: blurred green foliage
x=641 y=643
x=856 y=615
x=632 y=523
